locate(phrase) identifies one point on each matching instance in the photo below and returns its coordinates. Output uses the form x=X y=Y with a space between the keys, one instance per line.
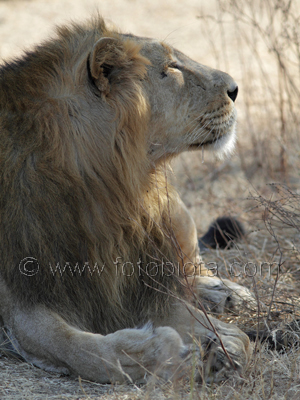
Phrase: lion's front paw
x=142 y=353
x=219 y=296
x=225 y=354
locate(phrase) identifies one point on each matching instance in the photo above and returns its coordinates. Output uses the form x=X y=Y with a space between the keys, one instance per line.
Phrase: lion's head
x=87 y=123
x=192 y=106
x=185 y=105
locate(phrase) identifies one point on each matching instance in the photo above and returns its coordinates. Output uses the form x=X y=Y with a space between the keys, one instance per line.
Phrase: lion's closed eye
x=174 y=65
x=169 y=68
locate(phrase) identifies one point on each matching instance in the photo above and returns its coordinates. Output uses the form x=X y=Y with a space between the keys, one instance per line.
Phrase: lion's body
x=87 y=128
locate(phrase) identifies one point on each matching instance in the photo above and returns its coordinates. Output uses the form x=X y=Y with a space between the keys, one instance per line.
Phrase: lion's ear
x=106 y=56
x=115 y=62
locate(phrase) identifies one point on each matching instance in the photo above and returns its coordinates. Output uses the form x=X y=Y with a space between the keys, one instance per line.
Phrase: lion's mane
x=77 y=188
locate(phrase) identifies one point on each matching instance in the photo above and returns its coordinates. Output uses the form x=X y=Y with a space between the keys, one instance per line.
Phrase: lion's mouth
x=218 y=134
x=196 y=146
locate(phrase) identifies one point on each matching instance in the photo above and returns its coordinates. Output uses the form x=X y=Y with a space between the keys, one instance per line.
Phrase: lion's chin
x=223 y=146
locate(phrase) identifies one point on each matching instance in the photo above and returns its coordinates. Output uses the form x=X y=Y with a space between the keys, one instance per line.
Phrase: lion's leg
x=195 y=327
x=185 y=231
x=46 y=340
x=217 y=295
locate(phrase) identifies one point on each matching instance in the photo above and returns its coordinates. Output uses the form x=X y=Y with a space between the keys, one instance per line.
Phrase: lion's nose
x=233 y=92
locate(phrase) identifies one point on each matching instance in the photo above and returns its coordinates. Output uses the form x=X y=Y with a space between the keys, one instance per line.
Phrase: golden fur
x=88 y=124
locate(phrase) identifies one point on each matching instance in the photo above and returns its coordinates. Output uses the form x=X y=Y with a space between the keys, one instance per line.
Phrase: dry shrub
x=261 y=49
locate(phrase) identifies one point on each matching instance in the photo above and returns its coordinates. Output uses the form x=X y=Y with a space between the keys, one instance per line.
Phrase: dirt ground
x=208 y=186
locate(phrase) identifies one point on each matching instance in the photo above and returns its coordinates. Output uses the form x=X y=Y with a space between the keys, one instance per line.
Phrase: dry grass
x=258 y=42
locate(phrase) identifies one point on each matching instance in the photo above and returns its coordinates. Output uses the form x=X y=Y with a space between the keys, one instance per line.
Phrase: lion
x=94 y=240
